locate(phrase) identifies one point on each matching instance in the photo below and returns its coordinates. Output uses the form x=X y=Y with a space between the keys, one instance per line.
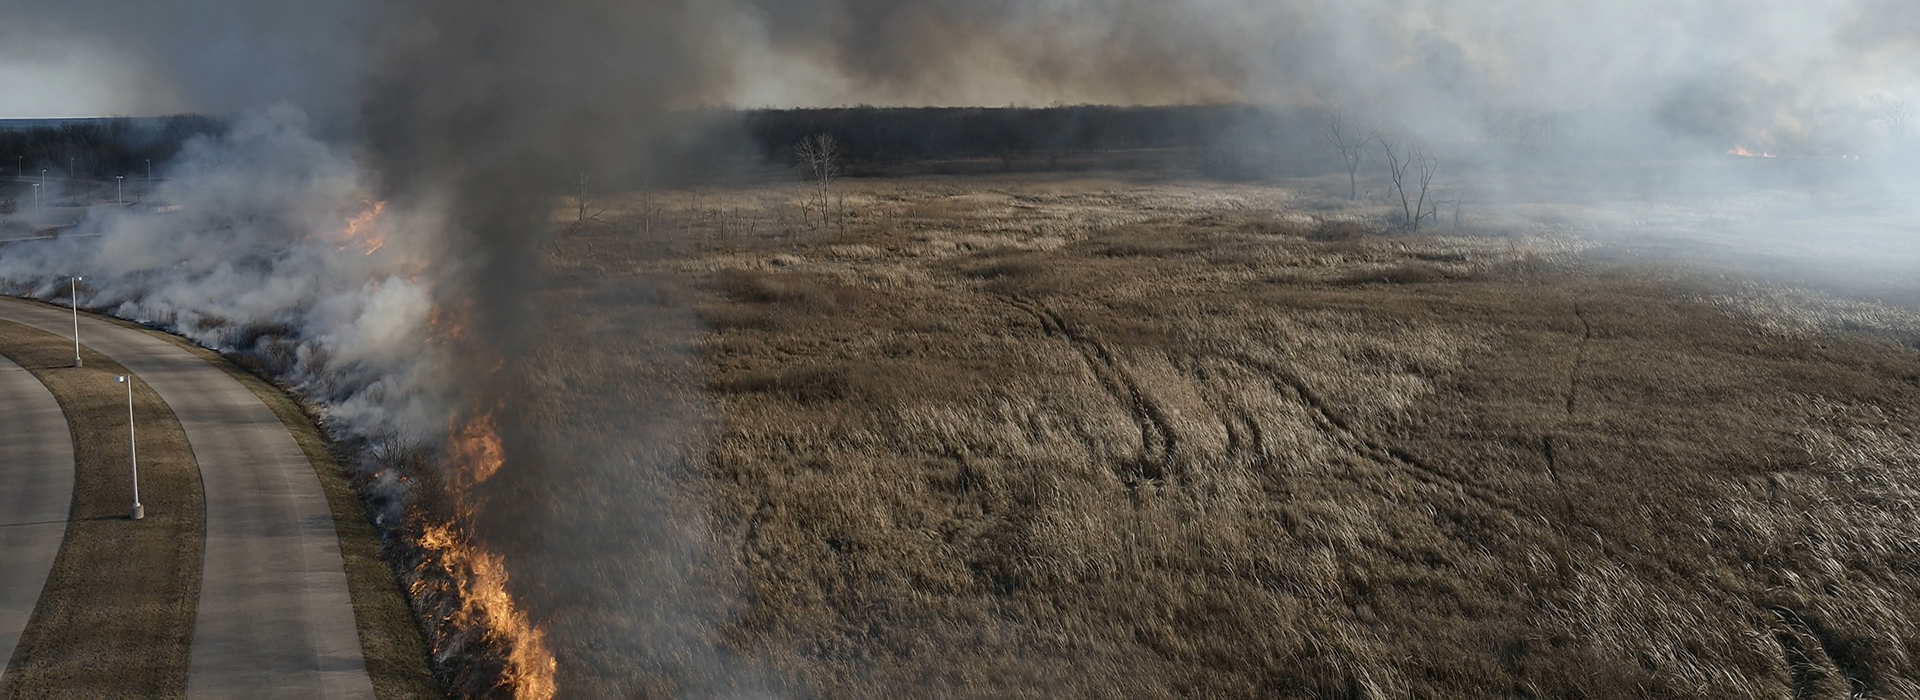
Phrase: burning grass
x=1040 y=438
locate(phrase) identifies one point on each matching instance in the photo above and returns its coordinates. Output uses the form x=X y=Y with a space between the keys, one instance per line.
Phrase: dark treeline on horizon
x=892 y=135
x=99 y=148
x=1230 y=141
x=712 y=145
x=1227 y=141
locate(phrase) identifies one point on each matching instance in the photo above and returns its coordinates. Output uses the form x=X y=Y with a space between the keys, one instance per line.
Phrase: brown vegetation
x=1088 y=438
x=390 y=641
x=115 y=617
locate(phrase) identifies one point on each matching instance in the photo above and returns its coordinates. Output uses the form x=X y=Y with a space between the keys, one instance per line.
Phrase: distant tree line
x=708 y=145
x=100 y=148
x=1227 y=136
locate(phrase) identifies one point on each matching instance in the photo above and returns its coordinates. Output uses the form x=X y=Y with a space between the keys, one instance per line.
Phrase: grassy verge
x=396 y=656
x=116 y=616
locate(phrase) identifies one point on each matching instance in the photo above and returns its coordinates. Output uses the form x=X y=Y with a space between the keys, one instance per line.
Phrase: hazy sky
x=1747 y=66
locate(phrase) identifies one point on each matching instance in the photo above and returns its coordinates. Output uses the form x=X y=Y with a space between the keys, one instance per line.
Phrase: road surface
x=275 y=619
x=36 y=494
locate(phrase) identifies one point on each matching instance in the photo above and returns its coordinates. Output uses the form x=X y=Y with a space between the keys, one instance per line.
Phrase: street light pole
x=36 y=198
x=133 y=451
x=117 y=197
x=76 y=320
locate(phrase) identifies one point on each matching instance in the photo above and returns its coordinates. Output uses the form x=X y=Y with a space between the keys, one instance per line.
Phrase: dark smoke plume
x=485 y=112
x=467 y=119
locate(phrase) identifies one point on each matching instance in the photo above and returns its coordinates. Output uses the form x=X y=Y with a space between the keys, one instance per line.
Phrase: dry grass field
x=115 y=617
x=986 y=437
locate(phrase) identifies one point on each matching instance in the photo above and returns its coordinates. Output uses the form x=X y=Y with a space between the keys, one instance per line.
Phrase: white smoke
x=246 y=247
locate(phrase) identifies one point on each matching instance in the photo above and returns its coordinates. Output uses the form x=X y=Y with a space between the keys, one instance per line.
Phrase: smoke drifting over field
x=414 y=325
x=1694 y=65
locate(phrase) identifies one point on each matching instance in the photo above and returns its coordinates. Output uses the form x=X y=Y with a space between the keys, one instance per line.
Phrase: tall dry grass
x=1094 y=438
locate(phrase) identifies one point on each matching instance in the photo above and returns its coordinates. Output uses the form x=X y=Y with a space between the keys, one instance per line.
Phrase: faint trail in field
x=1244 y=437
x=1157 y=438
x=1159 y=441
x=1579 y=358
x=1809 y=663
x=1343 y=434
x=1245 y=440
x=1551 y=445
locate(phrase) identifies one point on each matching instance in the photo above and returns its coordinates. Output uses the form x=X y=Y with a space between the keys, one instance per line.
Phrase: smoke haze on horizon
x=1746 y=66
x=468 y=118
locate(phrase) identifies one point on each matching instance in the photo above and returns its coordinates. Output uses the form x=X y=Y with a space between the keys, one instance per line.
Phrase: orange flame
x=360 y=229
x=476 y=579
x=1739 y=150
x=459 y=570
x=480 y=584
x=476 y=446
x=449 y=324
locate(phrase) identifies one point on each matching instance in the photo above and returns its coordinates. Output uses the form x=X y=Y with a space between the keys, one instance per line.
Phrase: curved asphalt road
x=36 y=494
x=275 y=619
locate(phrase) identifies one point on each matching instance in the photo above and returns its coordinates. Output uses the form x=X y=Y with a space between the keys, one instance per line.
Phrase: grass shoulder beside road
x=396 y=655
x=115 y=618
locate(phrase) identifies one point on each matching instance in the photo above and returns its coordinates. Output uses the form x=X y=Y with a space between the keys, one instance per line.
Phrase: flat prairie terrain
x=985 y=437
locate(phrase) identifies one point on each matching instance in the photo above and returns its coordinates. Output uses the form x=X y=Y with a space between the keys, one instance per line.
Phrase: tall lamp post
x=133 y=451
x=36 y=198
x=75 y=294
x=117 y=197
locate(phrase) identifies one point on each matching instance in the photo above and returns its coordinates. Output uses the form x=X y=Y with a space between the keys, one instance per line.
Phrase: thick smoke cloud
x=485 y=113
x=260 y=247
x=468 y=118
x=1775 y=65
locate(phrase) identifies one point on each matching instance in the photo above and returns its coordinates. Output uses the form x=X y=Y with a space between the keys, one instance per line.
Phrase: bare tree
x=1896 y=116
x=1452 y=197
x=1412 y=171
x=647 y=210
x=1343 y=134
x=821 y=154
x=580 y=200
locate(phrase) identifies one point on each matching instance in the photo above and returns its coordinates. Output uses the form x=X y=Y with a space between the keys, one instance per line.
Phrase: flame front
x=467 y=584
x=478 y=581
x=476 y=447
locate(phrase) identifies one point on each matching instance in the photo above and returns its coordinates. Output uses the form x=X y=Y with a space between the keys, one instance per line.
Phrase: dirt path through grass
x=115 y=618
